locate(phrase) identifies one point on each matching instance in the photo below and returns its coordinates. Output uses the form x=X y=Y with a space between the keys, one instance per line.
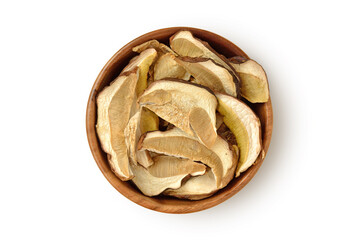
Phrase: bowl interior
x=161 y=203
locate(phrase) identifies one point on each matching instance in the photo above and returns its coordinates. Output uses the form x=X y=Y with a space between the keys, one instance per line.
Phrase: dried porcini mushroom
x=143 y=62
x=245 y=125
x=176 y=101
x=203 y=186
x=167 y=67
x=210 y=74
x=142 y=122
x=186 y=45
x=254 y=84
x=113 y=110
x=177 y=143
x=171 y=122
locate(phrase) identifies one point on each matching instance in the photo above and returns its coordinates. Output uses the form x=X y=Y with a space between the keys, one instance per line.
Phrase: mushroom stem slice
x=245 y=125
x=254 y=84
x=186 y=45
x=113 y=109
x=178 y=102
x=177 y=143
x=210 y=74
x=167 y=67
x=143 y=62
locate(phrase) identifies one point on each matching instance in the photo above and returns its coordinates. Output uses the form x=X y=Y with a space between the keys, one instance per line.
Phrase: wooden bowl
x=168 y=204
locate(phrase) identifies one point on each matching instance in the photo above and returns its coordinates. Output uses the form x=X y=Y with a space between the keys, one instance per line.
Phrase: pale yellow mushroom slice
x=186 y=45
x=166 y=172
x=113 y=112
x=183 y=104
x=245 y=125
x=177 y=143
x=200 y=187
x=254 y=83
x=160 y=47
x=143 y=121
x=143 y=62
x=210 y=74
x=167 y=67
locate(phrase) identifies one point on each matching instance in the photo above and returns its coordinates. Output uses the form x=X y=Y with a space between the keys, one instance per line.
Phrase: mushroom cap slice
x=143 y=121
x=254 y=84
x=184 y=104
x=166 y=172
x=186 y=45
x=160 y=47
x=210 y=74
x=177 y=143
x=113 y=110
x=167 y=166
x=200 y=187
x=143 y=62
x=245 y=125
x=167 y=67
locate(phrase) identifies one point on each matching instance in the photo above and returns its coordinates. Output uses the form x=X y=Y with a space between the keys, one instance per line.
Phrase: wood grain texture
x=167 y=204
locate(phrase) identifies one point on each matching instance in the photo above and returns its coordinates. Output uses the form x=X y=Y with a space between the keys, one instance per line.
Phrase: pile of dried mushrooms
x=173 y=123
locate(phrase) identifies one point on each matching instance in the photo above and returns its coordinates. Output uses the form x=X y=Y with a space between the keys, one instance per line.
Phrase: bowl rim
x=158 y=204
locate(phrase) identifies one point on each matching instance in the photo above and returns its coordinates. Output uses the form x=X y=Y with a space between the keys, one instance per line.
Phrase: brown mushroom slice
x=245 y=125
x=177 y=143
x=186 y=45
x=143 y=62
x=254 y=84
x=113 y=110
x=160 y=47
x=204 y=186
x=167 y=166
x=179 y=102
x=143 y=121
x=167 y=67
x=207 y=73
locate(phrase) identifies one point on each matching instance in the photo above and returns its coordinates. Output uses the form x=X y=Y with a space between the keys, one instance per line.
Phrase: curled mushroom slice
x=200 y=187
x=185 y=105
x=254 y=84
x=177 y=143
x=167 y=166
x=167 y=67
x=166 y=172
x=143 y=121
x=113 y=110
x=210 y=74
x=143 y=62
x=160 y=47
x=186 y=45
x=245 y=125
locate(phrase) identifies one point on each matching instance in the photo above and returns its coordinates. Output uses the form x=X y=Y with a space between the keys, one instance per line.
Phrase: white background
x=50 y=55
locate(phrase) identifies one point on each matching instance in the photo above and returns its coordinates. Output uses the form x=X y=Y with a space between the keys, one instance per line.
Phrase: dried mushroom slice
x=245 y=125
x=204 y=186
x=167 y=166
x=177 y=143
x=113 y=110
x=166 y=172
x=254 y=84
x=186 y=45
x=184 y=105
x=143 y=62
x=143 y=121
x=207 y=73
x=167 y=67
x=160 y=47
